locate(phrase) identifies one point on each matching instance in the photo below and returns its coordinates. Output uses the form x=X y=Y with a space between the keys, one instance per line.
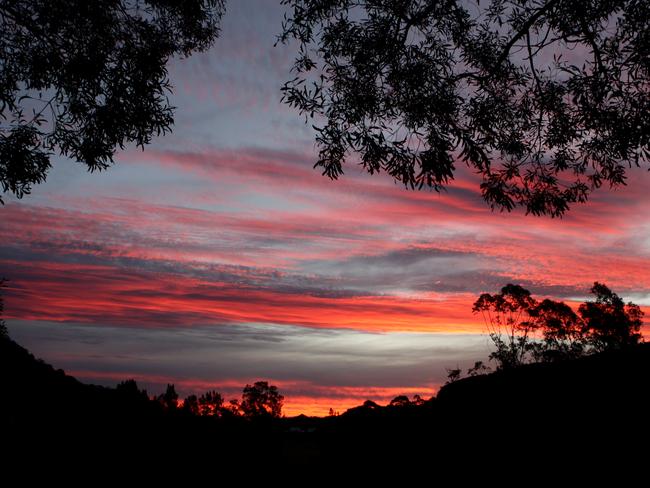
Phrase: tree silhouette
x=370 y=405
x=478 y=369
x=507 y=316
x=129 y=389
x=191 y=405
x=169 y=399
x=261 y=400
x=546 y=100
x=418 y=400
x=610 y=323
x=400 y=401
x=522 y=328
x=453 y=375
x=233 y=408
x=564 y=332
x=211 y=403
x=83 y=78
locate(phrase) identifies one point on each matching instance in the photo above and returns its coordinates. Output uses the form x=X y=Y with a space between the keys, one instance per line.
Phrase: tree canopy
x=83 y=78
x=546 y=100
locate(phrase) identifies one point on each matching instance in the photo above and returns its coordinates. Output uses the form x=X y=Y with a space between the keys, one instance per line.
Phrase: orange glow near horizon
x=320 y=406
x=317 y=404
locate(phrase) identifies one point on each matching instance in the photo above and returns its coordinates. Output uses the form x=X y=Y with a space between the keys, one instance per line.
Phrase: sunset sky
x=218 y=256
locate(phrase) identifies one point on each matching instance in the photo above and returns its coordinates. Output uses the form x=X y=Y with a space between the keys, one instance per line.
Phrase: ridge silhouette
x=593 y=404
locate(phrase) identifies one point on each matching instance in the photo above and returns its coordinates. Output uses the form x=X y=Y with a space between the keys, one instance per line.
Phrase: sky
x=218 y=256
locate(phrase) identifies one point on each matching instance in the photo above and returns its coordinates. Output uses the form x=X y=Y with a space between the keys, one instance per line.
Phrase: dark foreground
x=588 y=412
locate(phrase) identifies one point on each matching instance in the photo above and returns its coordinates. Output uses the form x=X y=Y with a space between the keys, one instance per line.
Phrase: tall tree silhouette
x=546 y=100
x=508 y=319
x=83 y=78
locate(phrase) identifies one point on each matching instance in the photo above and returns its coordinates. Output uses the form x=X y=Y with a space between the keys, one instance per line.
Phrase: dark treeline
x=259 y=400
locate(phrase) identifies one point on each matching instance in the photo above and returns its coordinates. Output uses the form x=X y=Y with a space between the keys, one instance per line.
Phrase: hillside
x=615 y=379
x=580 y=404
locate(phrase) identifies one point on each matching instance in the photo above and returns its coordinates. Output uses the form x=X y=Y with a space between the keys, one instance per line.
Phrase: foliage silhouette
x=507 y=316
x=610 y=323
x=545 y=100
x=400 y=401
x=523 y=329
x=563 y=331
x=191 y=405
x=129 y=388
x=233 y=408
x=261 y=400
x=453 y=374
x=369 y=404
x=169 y=399
x=418 y=400
x=478 y=369
x=84 y=78
x=211 y=404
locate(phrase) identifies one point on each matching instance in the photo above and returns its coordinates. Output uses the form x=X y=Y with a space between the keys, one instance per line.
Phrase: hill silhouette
x=610 y=380
x=50 y=417
x=587 y=406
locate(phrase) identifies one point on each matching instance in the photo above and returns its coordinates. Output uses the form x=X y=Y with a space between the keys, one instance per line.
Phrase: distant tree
x=261 y=400
x=400 y=401
x=507 y=316
x=370 y=405
x=4 y=333
x=191 y=405
x=610 y=322
x=453 y=375
x=83 y=78
x=564 y=332
x=546 y=100
x=418 y=400
x=478 y=369
x=211 y=404
x=233 y=408
x=169 y=399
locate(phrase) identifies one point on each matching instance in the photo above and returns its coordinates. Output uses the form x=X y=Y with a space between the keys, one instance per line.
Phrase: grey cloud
x=219 y=354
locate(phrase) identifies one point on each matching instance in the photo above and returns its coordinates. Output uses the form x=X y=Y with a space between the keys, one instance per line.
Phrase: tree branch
x=525 y=29
x=592 y=41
